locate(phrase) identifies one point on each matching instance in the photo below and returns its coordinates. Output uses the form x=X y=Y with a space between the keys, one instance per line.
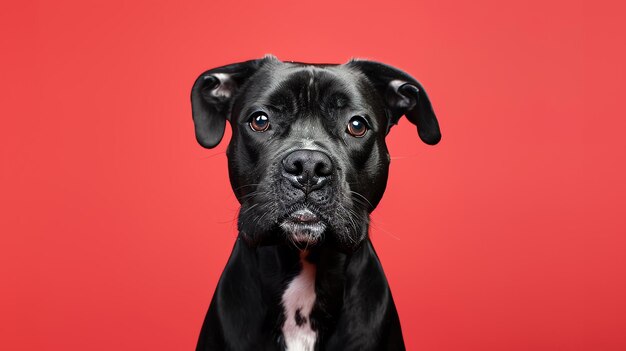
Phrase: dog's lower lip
x=303 y=227
x=304 y=216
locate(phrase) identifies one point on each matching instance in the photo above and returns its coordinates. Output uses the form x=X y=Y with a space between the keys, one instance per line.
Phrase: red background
x=508 y=235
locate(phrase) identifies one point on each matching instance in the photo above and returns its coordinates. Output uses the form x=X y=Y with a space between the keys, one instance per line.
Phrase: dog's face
x=307 y=159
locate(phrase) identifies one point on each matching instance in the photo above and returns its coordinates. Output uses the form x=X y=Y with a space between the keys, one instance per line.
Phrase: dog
x=308 y=163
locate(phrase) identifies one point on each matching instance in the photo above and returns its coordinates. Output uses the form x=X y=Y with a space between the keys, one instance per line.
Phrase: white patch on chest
x=298 y=300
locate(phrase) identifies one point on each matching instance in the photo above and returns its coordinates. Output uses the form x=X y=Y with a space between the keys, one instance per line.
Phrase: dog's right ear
x=212 y=95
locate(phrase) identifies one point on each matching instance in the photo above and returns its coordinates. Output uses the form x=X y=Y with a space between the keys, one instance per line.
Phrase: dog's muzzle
x=307 y=177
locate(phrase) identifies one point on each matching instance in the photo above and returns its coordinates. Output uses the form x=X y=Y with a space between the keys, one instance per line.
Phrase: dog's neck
x=253 y=297
x=278 y=265
x=310 y=285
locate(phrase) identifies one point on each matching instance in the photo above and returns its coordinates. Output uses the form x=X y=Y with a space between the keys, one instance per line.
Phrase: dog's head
x=307 y=159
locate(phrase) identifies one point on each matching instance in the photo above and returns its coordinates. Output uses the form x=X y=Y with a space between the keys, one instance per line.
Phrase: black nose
x=307 y=169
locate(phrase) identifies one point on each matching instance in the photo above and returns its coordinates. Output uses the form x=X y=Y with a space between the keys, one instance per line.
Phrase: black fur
x=306 y=161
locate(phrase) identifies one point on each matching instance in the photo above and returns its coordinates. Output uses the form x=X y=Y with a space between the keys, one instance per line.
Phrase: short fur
x=306 y=165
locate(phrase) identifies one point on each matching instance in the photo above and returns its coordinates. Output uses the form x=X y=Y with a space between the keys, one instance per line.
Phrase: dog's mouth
x=303 y=227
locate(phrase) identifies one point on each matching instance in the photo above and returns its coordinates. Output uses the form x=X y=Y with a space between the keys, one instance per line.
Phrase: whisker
x=362 y=197
x=403 y=157
x=215 y=154
x=375 y=226
x=251 y=207
x=246 y=185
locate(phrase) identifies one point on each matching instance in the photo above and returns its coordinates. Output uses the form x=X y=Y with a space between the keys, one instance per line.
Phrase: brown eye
x=357 y=127
x=259 y=122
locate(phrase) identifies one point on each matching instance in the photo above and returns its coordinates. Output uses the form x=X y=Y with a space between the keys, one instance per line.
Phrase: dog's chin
x=303 y=228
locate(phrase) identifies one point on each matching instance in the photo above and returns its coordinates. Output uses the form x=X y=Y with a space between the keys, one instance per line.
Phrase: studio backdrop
x=508 y=235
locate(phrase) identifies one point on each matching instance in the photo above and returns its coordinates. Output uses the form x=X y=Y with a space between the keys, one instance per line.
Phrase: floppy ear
x=402 y=95
x=211 y=98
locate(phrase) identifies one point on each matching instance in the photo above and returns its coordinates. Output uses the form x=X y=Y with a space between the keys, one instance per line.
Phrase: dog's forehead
x=285 y=86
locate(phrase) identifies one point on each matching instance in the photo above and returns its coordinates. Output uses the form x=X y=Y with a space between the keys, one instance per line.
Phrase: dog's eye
x=259 y=122
x=357 y=127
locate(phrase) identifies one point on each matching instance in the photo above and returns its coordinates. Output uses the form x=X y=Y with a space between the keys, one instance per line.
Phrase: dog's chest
x=298 y=300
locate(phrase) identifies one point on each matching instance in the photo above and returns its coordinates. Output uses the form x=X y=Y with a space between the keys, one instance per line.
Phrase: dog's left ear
x=402 y=95
x=211 y=98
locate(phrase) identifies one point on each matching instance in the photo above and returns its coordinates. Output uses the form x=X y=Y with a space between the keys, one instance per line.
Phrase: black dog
x=308 y=163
